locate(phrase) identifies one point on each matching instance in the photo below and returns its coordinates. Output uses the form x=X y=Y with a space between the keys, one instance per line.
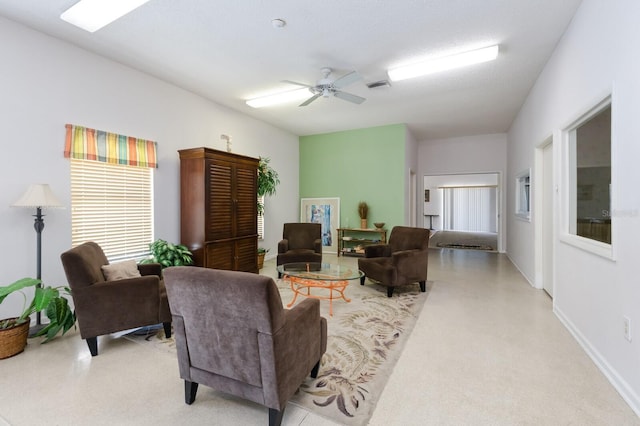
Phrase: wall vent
x=381 y=83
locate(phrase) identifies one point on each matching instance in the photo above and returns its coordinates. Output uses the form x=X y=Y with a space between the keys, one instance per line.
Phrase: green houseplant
x=267 y=181
x=46 y=299
x=169 y=254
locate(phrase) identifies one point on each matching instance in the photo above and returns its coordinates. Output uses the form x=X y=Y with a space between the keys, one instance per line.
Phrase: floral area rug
x=365 y=339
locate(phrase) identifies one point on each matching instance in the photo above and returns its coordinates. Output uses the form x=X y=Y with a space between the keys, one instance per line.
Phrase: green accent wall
x=357 y=165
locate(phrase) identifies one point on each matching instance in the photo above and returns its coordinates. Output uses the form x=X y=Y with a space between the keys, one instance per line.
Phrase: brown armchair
x=233 y=334
x=402 y=261
x=103 y=306
x=301 y=242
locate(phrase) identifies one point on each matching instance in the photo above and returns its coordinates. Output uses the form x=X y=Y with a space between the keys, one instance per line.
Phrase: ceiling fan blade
x=296 y=83
x=350 y=97
x=347 y=79
x=311 y=99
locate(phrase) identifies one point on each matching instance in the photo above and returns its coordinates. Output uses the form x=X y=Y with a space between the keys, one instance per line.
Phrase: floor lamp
x=39 y=196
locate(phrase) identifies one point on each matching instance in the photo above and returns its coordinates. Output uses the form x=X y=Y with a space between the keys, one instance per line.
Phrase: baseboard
x=619 y=384
x=531 y=283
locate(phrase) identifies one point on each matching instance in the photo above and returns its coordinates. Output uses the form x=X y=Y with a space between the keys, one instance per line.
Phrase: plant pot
x=363 y=223
x=261 y=260
x=13 y=340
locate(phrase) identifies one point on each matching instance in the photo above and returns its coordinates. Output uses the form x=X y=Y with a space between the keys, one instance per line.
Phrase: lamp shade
x=38 y=195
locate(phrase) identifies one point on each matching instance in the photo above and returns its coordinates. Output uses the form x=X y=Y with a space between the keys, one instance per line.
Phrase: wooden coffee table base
x=299 y=285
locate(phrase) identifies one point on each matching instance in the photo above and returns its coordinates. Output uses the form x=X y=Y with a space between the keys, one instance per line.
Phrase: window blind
x=261 y=220
x=112 y=205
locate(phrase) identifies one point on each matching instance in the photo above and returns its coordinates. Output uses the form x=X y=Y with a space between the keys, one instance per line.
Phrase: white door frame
x=541 y=203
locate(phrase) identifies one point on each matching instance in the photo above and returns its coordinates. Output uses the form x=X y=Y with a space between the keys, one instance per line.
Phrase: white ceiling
x=228 y=51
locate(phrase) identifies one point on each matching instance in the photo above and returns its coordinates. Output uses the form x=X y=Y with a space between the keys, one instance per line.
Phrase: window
x=523 y=195
x=112 y=205
x=589 y=181
x=261 y=218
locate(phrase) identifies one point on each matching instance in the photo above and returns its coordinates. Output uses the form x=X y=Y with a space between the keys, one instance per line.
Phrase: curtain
x=470 y=209
x=90 y=144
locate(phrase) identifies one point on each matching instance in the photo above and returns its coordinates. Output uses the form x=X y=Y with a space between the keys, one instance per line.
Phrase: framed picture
x=426 y=195
x=325 y=211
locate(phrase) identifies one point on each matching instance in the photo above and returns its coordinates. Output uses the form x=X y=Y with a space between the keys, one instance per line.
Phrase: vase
x=363 y=223
x=14 y=339
x=261 y=260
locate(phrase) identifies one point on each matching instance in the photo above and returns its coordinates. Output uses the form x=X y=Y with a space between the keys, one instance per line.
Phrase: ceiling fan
x=327 y=87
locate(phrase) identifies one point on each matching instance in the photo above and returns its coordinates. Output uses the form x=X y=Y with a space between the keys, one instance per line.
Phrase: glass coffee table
x=321 y=277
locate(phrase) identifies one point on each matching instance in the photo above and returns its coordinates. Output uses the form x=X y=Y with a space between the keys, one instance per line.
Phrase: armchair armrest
x=317 y=246
x=150 y=269
x=126 y=303
x=303 y=327
x=283 y=246
x=377 y=250
x=411 y=264
x=404 y=256
x=294 y=348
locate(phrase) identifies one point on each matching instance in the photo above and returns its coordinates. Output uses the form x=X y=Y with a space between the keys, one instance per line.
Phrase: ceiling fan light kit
x=444 y=63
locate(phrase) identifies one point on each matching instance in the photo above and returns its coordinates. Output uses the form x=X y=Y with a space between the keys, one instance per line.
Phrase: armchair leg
x=167 y=329
x=315 y=369
x=362 y=280
x=92 y=342
x=423 y=286
x=190 y=389
x=389 y=291
x=275 y=417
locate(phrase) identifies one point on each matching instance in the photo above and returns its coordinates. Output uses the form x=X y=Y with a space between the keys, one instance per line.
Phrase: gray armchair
x=107 y=306
x=402 y=261
x=233 y=334
x=301 y=242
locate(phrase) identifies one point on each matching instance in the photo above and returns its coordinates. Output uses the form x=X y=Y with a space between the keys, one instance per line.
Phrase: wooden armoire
x=218 y=208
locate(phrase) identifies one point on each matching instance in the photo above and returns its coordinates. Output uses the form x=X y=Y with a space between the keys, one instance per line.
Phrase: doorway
x=464 y=202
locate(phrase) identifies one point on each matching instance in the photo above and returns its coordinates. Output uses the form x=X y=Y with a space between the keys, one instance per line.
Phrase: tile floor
x=486 y=350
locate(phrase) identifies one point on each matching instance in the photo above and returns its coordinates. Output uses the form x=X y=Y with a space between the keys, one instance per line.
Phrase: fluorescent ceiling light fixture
x=280 y=98
x=444 y=63
x=91 y=15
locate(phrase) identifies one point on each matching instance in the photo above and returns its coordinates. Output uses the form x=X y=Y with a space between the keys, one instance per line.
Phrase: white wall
x=592 y=294
x=45 y=83
x=465 y=155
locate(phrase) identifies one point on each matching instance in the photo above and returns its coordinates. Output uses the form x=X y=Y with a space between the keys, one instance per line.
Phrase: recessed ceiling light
x=444 y=63
x=279 y=98
x=91 y=15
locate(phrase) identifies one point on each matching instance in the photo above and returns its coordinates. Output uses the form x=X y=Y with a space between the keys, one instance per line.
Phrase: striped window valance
x=91 y=144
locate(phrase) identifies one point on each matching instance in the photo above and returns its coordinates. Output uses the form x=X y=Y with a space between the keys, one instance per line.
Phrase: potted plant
x=14 y=331
x=267 y=181
x=169 y=254
x=363 y=211
x=261 y=254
